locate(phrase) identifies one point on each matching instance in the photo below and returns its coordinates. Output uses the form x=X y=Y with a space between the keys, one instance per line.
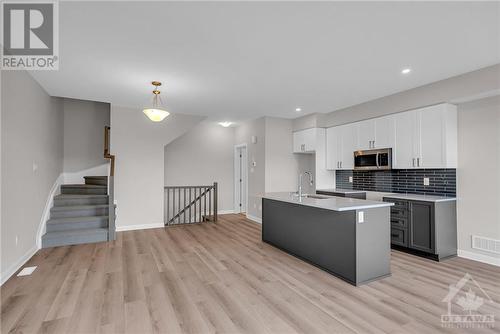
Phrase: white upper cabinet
x=333 y=141
x=384 y=132
x=376 y=133
x=422 y=138
x=305 y=141
x=366 y=134
x=404 y=152
x=426 y=138
x=437 y=137
x=341 y=142
x=349 y=144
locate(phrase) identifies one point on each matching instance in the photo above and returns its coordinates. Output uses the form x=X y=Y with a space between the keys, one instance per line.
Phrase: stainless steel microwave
x=380 y=159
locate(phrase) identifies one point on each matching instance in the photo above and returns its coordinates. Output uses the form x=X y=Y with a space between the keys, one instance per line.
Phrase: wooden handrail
x=107 y=155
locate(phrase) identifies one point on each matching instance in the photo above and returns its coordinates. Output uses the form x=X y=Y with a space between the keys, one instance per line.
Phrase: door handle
x=377 y=160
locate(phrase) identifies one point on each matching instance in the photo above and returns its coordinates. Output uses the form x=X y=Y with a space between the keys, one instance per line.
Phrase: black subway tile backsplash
x=442 y=181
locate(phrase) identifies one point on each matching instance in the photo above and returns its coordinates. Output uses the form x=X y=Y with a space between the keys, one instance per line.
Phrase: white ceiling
x=240 y=60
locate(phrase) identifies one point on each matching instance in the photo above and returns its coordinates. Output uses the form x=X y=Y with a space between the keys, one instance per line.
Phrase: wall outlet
x=361 y=217
x=350 y=179
x=426 y=181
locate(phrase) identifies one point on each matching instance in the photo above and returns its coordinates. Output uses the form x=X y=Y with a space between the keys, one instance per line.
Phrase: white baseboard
x=224 y=212
x=255 y=219
x=479 y=257
x=42 y=226
x=16 y=266
x=139 y=227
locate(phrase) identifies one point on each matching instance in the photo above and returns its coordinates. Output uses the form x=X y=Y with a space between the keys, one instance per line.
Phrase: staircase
x=80 y=214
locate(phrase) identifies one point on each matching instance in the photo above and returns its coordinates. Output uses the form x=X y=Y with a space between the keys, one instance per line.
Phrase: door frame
x=237 y=208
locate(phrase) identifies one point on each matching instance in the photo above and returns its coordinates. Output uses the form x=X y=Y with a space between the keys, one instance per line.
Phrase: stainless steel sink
x=315 y=196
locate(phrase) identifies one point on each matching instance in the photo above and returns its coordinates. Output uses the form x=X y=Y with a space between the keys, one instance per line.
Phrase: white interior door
x=240 y=179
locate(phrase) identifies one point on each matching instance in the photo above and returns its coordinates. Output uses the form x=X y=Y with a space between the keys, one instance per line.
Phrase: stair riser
x=83 y=191
x=69 y=240
x=79 y=213
x=76 y=226
x=80 y=201
x=97 y=182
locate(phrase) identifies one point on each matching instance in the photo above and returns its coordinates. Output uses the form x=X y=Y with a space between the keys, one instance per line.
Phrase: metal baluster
x=205 y=203
x=168 y=206
x=210 y=203
x=184 y=208
x=190 y=200
x=194 y=203
x=179 y=208
x=215 y=201
x=173 y=206
x=199 y=208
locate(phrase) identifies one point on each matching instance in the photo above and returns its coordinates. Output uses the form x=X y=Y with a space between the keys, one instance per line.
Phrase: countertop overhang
x=329 y=203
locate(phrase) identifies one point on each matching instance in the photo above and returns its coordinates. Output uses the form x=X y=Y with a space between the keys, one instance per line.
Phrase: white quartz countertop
x=333 y=203
x=424 y=198
x=342 y=191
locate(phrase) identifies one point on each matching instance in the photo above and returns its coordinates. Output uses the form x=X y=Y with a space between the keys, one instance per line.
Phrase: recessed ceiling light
x=298 y=109
x=406 y=70
x=225 y=124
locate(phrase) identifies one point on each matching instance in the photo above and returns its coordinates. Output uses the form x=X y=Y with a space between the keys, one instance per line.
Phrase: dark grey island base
x=332 y=240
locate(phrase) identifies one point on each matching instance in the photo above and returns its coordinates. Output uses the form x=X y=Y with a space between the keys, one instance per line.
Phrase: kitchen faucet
x=300 y=182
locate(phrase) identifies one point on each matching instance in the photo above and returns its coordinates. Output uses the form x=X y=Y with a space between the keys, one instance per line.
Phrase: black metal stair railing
x=190 y=204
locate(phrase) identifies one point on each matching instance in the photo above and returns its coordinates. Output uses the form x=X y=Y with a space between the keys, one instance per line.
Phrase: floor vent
x=27 y=271
x=486 y=244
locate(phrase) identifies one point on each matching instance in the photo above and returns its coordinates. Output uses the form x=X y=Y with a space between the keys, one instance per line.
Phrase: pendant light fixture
x=156 y=113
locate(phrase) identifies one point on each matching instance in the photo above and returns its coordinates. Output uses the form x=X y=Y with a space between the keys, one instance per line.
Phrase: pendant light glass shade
x=156 y=113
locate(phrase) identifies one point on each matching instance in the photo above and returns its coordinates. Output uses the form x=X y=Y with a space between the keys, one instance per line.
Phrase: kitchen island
x=347 y=237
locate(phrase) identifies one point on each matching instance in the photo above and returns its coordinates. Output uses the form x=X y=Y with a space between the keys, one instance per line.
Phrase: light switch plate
x=426 y=181
x=361 y=217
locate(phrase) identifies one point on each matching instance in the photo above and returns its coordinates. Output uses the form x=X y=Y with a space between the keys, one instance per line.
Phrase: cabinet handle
x=341 y=164
x=418 y=162
x=413 y=162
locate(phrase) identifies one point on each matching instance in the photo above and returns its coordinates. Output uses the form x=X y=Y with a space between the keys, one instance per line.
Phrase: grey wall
x=478 y=172
x=256 y=153
x=32 y=135
x=281 y=163
x=139 y=146
x=202 y=156
x=84 y=123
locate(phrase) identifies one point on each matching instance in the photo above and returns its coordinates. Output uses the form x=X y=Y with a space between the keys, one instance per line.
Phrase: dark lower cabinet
x=424 y=228
x=361 y=195
x=421 y=226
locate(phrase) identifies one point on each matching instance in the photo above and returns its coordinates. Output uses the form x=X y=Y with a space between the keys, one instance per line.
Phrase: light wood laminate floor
x=221 y=278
